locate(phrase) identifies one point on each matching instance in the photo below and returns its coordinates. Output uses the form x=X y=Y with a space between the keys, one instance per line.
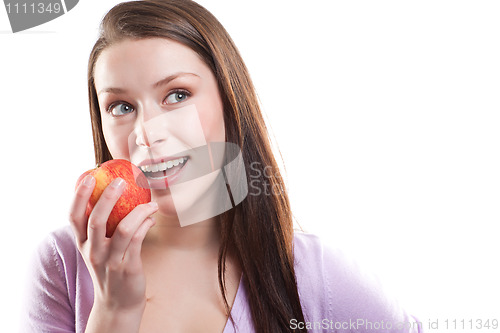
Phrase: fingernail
x=153 y=205
x=117 y=183
x=88 y=180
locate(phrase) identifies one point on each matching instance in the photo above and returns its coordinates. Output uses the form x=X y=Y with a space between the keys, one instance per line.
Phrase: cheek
x=214 y=129
x=212 y=122
x=116 y=138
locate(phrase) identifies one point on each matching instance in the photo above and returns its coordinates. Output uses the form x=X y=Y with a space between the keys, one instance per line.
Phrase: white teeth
x=162 y=166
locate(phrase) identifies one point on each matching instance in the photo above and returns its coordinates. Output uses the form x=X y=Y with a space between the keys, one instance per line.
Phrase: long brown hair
x=260 y=229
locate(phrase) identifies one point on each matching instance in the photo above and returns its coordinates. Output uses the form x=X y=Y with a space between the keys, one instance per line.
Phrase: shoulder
x=58 y=245
x=333 y=287
x=339 y=273
x=308 y=246
x=49 y=293
x=312 y=254
x=56 y=257
x=57 y=264
x=320 y=269
x=63 y=238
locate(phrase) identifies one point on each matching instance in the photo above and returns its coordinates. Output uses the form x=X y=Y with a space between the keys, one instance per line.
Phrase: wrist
x=107 y=318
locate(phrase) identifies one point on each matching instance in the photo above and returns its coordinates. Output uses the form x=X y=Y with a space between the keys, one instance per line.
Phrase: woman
x=158 y=64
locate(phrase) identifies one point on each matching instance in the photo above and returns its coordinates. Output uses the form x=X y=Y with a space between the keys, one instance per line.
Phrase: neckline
x=235 y=308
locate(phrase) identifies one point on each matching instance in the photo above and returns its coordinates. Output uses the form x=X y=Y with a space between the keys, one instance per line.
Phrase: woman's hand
x=114 y=263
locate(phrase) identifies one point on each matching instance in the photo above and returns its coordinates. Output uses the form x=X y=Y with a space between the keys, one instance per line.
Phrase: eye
x=177 y=96
x=120 y=109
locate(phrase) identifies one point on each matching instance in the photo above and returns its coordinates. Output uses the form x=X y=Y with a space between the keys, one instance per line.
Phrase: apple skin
x=136 y=190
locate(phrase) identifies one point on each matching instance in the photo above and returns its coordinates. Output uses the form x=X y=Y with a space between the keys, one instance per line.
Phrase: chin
x=192 y=202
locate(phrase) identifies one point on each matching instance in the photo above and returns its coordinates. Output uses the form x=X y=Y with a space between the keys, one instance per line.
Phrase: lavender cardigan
x=335 y=295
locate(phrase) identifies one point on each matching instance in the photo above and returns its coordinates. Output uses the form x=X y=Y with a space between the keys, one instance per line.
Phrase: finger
x=132 y=256
x=126 y=229
x=77 y=213
x=100 y=214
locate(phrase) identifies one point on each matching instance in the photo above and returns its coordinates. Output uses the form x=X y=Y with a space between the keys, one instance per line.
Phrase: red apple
x=136 y=190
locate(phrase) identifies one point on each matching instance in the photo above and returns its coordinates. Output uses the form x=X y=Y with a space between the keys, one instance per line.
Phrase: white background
x=386 y=114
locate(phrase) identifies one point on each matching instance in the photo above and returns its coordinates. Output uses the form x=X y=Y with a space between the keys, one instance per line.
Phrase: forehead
x=145 y=61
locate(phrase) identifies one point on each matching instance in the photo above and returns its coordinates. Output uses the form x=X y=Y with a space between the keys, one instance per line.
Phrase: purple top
x=334 y=294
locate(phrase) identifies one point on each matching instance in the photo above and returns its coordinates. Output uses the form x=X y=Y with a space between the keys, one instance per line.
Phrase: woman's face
x=160 y=107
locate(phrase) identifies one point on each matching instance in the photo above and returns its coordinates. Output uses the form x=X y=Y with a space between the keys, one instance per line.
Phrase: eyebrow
x=160 y=83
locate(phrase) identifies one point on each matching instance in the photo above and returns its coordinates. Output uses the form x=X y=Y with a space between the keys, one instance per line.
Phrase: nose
x=149 y=129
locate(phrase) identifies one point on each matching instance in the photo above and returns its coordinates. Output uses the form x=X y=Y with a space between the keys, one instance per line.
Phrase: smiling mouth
x=163 y=169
